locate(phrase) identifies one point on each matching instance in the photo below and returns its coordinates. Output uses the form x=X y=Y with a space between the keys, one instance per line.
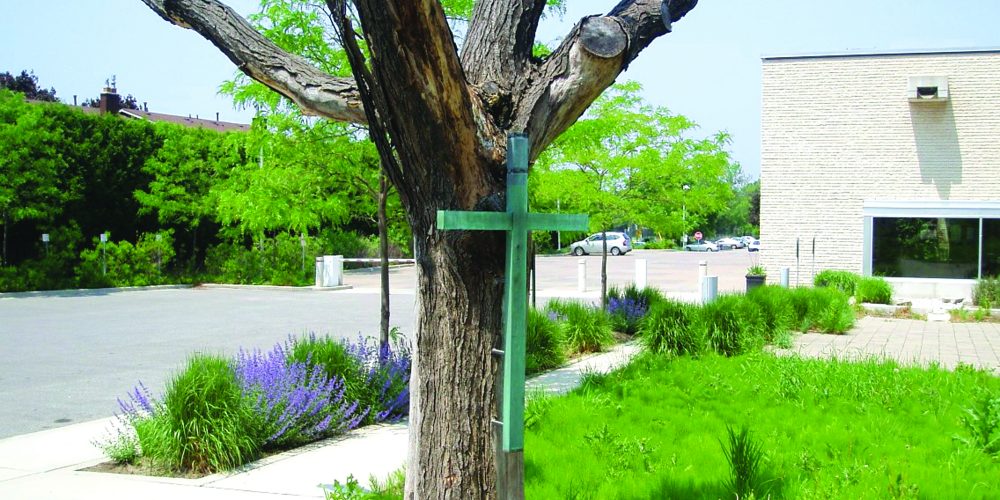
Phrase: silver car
x=618 y=244
x=702 y=246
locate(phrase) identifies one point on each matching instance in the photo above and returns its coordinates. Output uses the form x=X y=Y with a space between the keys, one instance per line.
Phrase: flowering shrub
x=386 y=372
x=296 y=402
x=218 y=413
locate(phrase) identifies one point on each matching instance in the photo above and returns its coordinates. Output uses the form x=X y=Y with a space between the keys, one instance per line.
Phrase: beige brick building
x=890 y=161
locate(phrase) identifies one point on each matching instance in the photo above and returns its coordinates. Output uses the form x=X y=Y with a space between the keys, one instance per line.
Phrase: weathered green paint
x=517 y=222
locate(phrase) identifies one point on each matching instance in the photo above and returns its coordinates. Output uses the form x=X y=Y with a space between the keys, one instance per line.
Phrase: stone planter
x=754 y=281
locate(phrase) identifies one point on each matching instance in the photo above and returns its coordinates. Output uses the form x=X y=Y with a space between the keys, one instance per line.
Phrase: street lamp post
x=684 y=212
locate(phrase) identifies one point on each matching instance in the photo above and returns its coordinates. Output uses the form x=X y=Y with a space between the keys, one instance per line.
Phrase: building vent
x=927 y=88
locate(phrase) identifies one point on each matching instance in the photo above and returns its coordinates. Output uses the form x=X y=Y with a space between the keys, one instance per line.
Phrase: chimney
x=111 y=102
x=74 y=99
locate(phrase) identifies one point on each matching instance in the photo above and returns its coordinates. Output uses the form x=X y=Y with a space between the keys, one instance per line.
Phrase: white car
x=618 y=244
x=754 y=246
x=731 y=243
x=702 y=246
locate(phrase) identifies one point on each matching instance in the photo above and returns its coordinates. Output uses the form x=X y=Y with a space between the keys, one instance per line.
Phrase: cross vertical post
x=517 y=221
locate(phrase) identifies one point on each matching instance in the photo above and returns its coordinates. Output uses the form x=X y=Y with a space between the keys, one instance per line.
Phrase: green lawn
x=829 y=429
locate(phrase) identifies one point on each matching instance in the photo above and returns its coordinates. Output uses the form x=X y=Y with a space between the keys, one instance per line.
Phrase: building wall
x=838 y=131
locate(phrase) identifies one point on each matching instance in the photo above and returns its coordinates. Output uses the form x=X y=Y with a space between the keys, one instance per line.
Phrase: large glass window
x=991 y=247
x=912 y=247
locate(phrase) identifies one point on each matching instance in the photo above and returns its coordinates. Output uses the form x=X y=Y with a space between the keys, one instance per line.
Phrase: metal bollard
x=785 y=277
x=702 y=271
x=581 y=275
x=709 y=289
x=640 y=273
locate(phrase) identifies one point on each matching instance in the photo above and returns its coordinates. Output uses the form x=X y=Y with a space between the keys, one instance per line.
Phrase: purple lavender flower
x=297 y=403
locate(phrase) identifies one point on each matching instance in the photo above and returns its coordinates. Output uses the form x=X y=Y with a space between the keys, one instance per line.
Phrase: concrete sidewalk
x=47 y=464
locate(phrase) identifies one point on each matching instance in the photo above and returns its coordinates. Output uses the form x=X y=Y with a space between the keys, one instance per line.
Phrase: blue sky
x=708 y=69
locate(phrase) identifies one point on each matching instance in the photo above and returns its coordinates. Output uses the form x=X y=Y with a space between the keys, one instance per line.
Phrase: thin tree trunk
x=604 y=272
x=383 y=245
x=4 y=260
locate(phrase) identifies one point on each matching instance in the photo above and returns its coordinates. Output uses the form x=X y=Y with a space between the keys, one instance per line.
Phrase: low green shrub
x=733 y=325
x=672 y=327
x=584 y=328
x=203 y=424
x=987 y=292
x=845 y=281
x=545 y=348
x=873 y=290
x=115 y=264
x=54 y=270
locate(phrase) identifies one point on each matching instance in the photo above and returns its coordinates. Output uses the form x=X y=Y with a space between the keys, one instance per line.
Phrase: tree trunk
x=383 y=247
x=453 y=385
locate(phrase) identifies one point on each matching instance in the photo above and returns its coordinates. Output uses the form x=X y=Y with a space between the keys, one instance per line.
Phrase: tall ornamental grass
x=203 y=423
x=873 y=290
x=673 y=327
x=845 y=281
x=584 y=328
x=545 y=347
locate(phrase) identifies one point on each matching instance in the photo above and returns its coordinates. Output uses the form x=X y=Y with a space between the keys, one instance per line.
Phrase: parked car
x=747 y=239
x=702 y=246
x=618 y=244
x=754 y=246
x=731 y=243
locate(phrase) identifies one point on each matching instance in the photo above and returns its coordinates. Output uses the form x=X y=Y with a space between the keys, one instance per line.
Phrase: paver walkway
x=909 y=342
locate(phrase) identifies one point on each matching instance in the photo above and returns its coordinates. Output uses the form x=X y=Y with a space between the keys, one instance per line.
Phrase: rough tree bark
x=447 y=115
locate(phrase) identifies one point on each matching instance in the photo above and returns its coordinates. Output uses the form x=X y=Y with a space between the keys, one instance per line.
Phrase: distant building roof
x=111 y=103
x=187 y=121
x=878 y=53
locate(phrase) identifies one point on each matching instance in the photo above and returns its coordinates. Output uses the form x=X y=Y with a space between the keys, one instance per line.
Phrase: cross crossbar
x=502 y=221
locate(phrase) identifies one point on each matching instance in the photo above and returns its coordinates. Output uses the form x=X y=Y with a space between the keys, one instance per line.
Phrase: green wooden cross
x=517 y=221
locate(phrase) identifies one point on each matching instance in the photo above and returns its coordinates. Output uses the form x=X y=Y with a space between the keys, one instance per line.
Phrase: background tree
x=27 y=84
x=626 y=163
x=182 y=173
x=29 y=164
x=440 y=119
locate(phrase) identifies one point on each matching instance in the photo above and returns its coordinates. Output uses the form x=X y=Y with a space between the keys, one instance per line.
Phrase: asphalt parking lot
x=65 y=357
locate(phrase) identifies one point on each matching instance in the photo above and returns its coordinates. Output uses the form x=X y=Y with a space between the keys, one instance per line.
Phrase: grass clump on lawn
x=816 y=430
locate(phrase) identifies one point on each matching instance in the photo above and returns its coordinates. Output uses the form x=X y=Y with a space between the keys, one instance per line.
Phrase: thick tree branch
x=432 y=116
x=314 y=91
x=589 y=59
x=498 y=44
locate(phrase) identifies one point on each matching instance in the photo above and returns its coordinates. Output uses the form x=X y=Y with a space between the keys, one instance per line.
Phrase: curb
x=80 y=292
